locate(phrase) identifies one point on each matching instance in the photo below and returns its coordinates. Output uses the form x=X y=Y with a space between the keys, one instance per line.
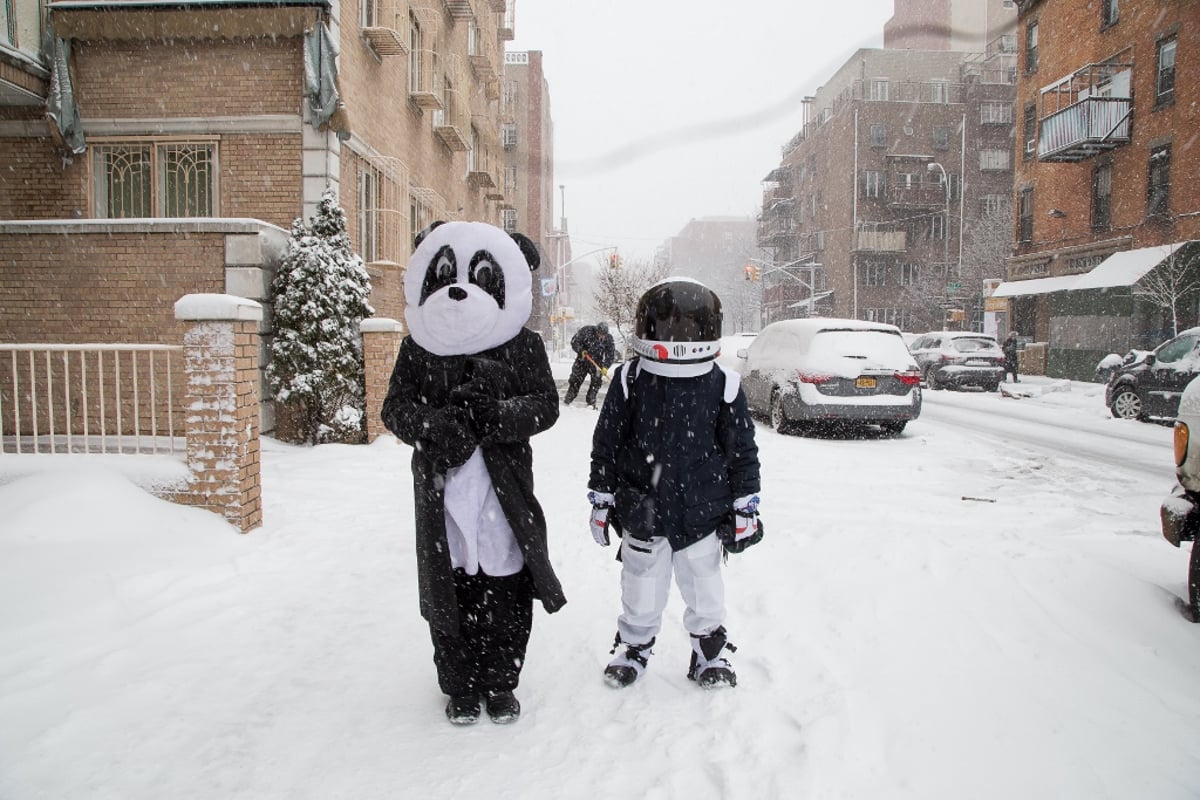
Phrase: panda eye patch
x=485 y=273
x=441 y=272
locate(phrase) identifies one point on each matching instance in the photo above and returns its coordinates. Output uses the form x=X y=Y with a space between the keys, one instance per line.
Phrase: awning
x=1127 y=267
x=1036 y=286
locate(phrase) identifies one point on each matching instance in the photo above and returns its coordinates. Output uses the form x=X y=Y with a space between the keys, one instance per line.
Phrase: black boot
x=503 y=707
x=626 y=668
x=709 y=669
x=463 y=709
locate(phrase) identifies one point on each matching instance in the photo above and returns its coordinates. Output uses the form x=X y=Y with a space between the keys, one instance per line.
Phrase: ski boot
x=627 y=667
x=709 y=669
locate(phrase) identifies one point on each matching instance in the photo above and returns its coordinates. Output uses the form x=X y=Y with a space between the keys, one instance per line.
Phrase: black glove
x=448 y=441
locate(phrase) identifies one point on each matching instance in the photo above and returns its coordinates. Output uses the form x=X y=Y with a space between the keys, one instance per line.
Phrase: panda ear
x=529 y=249
x=420 y=237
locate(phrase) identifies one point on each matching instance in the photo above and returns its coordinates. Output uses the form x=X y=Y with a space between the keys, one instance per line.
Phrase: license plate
x=864 y=383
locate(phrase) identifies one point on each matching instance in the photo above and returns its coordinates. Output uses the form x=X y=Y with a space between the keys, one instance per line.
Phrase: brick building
x=164 y=148
x=527 y=132
x=885 y=202
x=1105 y=205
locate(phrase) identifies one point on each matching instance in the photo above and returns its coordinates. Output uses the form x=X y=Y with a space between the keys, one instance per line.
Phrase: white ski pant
x=646 y=568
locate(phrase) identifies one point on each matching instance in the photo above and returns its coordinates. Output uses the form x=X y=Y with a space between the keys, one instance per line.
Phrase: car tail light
x=1181 y=443
x=909 y=377
x=813 y=377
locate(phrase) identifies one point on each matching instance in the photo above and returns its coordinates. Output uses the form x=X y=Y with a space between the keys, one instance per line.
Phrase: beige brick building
x=165 y=149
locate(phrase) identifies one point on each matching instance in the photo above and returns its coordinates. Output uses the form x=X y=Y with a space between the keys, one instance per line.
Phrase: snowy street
x=950 y=613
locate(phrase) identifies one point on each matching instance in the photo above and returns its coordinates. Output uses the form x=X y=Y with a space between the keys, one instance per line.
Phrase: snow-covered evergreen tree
x=321 y=293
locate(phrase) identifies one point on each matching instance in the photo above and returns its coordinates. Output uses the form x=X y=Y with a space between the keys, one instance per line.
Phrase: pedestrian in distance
x=1010 y=356
x=594 y=354
x=675 y=472
x=470 y=386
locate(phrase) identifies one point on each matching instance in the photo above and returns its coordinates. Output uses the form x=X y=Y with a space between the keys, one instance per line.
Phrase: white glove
x=599 y=525
x=745 y=517
x=601 y=503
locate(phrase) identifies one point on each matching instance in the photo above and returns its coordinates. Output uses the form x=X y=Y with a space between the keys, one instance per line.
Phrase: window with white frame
x=1031 y=46
x=937 y=227
x=910 y=274
x=873 y=183
x=1109 y=12
x=154 y=178
x=414 y=55
x=873 y=273
x=878 y=89
x=889 y=316
x=1102 y=196
x=994 y=113
x=992 y=204
x=510 y=180
x=879 y=136
x=1158 y=192
x=941 y=137
x=508 y=218
x=939 y=91
x=1025 y=215
x=8 y=22
x=994 y=159
x=368 y=212
x=510 y=135
x=368 y=13
x=1164 y=82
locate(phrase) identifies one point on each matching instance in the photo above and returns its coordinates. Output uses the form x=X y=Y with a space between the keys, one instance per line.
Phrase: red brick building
x=1103 y=190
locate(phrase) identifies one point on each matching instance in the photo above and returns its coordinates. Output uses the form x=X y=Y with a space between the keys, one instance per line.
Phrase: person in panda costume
x=675 y=471
x=470 y=387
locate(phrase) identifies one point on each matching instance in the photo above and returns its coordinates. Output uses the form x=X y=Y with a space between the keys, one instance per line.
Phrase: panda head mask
x=468 y=287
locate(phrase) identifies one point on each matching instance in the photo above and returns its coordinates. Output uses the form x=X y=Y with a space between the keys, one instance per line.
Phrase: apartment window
x=872 y=183
x=910 y=274
x=941 y=138
x=1159 y=188
x=414 y=55
x=510 y=180
x=878 y=89
x=508 y=217
x=993 y=113
x=939 y=91
x=1164 y=83
x=874 y=274
x=819 y=241
x=991 y=204
x=994 y=160
x=1030 y=131
x=510 y=136
x=154 y=179
x=368 y=212
x=1031 y=46
x=8 y=21
x=1102 y=196
x=368 y=13
x=879 y=136
x=1025 y=217
x=937 y=227
x=1109 y=12
x=511 y=89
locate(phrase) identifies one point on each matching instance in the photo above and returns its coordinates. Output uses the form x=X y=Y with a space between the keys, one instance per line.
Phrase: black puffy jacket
x=597 y=344
x=675 y=455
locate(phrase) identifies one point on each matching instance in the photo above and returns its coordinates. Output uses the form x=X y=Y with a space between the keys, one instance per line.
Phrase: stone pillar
x=220 y=351
x=381 y=342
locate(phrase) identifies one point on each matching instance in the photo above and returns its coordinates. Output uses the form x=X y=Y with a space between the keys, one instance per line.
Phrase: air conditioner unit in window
x=1030 y=145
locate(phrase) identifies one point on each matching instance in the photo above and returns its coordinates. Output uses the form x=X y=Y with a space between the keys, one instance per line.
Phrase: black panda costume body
x=470 y=386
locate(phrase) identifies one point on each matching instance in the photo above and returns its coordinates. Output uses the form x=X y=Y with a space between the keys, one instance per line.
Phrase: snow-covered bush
x=320 y=293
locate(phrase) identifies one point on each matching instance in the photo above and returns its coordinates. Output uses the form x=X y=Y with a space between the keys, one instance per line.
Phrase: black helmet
x=678 y=322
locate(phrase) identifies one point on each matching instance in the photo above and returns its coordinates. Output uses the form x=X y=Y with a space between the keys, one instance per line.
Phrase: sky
x=956 y=612
x=675 y=110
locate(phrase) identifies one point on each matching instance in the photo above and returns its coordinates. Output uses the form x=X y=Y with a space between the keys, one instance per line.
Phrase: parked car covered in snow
x=1180 y=511
x=958 y=359
x=1148 y=383
x=802 y=372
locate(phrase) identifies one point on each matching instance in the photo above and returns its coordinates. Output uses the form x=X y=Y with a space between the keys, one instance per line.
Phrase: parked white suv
x=1180 y=512
x=800 y=373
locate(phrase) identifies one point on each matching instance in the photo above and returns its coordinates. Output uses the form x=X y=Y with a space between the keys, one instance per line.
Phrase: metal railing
x=91 y=398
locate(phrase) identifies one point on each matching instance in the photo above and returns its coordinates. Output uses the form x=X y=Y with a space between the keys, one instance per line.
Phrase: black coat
x=591 y=340
x=675 y=455
x=443 y=406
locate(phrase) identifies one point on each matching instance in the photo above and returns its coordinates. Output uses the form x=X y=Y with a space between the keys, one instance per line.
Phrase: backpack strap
x=733 y=382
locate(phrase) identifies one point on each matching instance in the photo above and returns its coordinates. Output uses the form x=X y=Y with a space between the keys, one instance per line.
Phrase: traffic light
x=614 y=261
x=753 y=273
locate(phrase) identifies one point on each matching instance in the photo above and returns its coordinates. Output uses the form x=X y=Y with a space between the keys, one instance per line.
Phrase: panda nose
x=458 y=293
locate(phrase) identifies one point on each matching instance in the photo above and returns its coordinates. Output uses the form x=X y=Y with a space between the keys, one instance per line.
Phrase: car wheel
x=931 y=379
x=992 y=387
x=778 y=419
x=1126 y=404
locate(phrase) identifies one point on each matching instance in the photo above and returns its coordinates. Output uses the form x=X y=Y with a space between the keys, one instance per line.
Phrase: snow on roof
x=1126 y=267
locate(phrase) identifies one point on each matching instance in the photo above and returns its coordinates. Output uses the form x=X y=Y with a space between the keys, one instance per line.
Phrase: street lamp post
x=930 y=167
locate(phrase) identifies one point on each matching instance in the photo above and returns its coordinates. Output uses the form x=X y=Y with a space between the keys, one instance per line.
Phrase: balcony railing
x=917 y=195
x=1085 y=128
x=879 y=241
